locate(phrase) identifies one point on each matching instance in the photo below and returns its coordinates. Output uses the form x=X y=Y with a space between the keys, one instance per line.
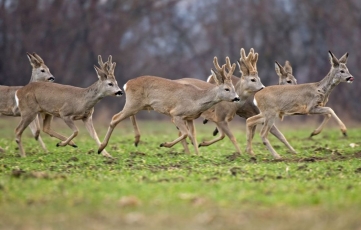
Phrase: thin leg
x=184 y=143
x=88 y=122
x=182 y=127
x=72 y=126
x=327 y=111
x=251 y=123
x=26 y=119
x=264 y=133
x=35 y=129
x=220 y=137
x=282 y=138
x=192 y=135
x=136 y=130
x=47 y=129
x=320 y=127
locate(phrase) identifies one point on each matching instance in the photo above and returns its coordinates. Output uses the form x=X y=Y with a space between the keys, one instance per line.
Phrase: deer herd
x=218 y=100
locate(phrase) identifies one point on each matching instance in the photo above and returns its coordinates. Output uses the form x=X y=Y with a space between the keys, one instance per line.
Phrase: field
x=148 y=187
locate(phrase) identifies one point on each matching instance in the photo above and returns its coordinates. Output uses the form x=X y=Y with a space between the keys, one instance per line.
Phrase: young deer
x=67 y=102
x=283 y=100
x=8 y=107
x=223 y=112
x=182 y=102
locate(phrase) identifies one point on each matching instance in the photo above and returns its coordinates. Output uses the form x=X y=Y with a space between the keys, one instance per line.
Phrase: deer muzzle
x=236 y=99
x=349 y=79
x=119 y=93
x=51 y=79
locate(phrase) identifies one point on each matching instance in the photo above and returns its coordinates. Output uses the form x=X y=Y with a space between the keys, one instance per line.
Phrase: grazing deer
x=303 y=99
x=182 y=102
x=8 y=107
x=224 y=112
x=67 y=102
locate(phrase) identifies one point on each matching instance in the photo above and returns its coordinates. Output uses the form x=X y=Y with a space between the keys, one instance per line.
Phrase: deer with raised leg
x=8 y=107
x=67 y=102
x=223 y=112
x=283 y=100
x=182 y=102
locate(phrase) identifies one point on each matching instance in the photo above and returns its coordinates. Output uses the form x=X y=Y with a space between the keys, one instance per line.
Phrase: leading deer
x=8 y=107
x=67 y=102
x=303 y=99
x=182 y=102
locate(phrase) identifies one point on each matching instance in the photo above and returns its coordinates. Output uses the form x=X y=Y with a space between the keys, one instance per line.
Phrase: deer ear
x=333 y=60
x=288 y=67
x=101 y=75
x=242 y=68
x=216 y=77
x=279 y=69
x=343 y=59
x=33 y=61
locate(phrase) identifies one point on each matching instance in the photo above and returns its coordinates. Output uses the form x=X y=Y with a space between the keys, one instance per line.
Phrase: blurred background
x=179 y=38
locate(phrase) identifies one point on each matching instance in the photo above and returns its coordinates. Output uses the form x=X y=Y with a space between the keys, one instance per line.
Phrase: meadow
x=148 y=187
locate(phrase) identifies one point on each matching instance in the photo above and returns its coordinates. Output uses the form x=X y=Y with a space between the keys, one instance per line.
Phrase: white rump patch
x=16 y=99
x=125 y=87
x=209 y=78
x=254 y=101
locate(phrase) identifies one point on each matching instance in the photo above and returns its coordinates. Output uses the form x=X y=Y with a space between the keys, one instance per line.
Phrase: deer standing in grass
x=222 y=113
x=303 y=99
x=67 y=102
x=8 y=106
x=182 y=102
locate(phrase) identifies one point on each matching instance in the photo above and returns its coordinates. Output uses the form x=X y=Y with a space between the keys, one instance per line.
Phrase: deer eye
x=342 y=71
x=227 y=90
x=110 y=84
x=42 y=71
x=253 y=80
x=289 y=81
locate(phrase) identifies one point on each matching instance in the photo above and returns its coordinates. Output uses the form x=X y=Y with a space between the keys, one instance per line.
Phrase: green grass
x=148 y=187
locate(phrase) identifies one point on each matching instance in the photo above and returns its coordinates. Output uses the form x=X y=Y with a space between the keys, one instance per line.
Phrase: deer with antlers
x=182 y=102
x=67 y=102
x=223 y=112
x=303 y=99
x=8 y=106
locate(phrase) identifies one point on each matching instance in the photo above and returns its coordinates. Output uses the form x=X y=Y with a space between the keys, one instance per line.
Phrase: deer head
x=223 y=80
x=107 y=83
x=40 y=71
x=339 y=69
x=285 y=74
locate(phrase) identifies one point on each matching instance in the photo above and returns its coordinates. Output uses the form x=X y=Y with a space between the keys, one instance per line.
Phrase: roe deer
x=303 y=99
x=8 y=106
x=67 y=102
x=248 y=85
x=182 y=102
x=223 y=112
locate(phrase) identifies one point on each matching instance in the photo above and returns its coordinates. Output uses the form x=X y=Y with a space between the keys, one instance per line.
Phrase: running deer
x=8 y=107
x=182 y=102
x=303 y=99
x=222 y=113
x=67 y=102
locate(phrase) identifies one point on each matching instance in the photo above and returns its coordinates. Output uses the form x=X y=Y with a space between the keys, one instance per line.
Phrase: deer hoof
x=205 y=121
x=161 y=145
x=344 y=134
x=58 y=144
x=74 y=146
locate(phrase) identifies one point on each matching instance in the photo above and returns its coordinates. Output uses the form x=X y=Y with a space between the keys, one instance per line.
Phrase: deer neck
x=327 y=84
x=208 y=98
x=32 y=79
x=92 y=95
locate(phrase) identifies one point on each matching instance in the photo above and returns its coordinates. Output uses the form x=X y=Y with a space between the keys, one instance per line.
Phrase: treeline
x=179 y=38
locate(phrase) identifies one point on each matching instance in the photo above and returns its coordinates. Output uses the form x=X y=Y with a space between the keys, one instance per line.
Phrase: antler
x=109 y=66
x=230 y=68
x=249 y=61
x=38 y=58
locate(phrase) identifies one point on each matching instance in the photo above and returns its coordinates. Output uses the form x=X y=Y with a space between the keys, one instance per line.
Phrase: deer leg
x=136 y=130
x=182 y=127
x=220 y=137
x=327 y=111
x=47 y=129
x=184 y=143
x=35 y=129
x=26 y=119
x=88 y=122
x=71 y=125
x=251 y=123
x=192 y=135
x=282 y=138
x=125 y=113
x=264 y=133
x=320 y=127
